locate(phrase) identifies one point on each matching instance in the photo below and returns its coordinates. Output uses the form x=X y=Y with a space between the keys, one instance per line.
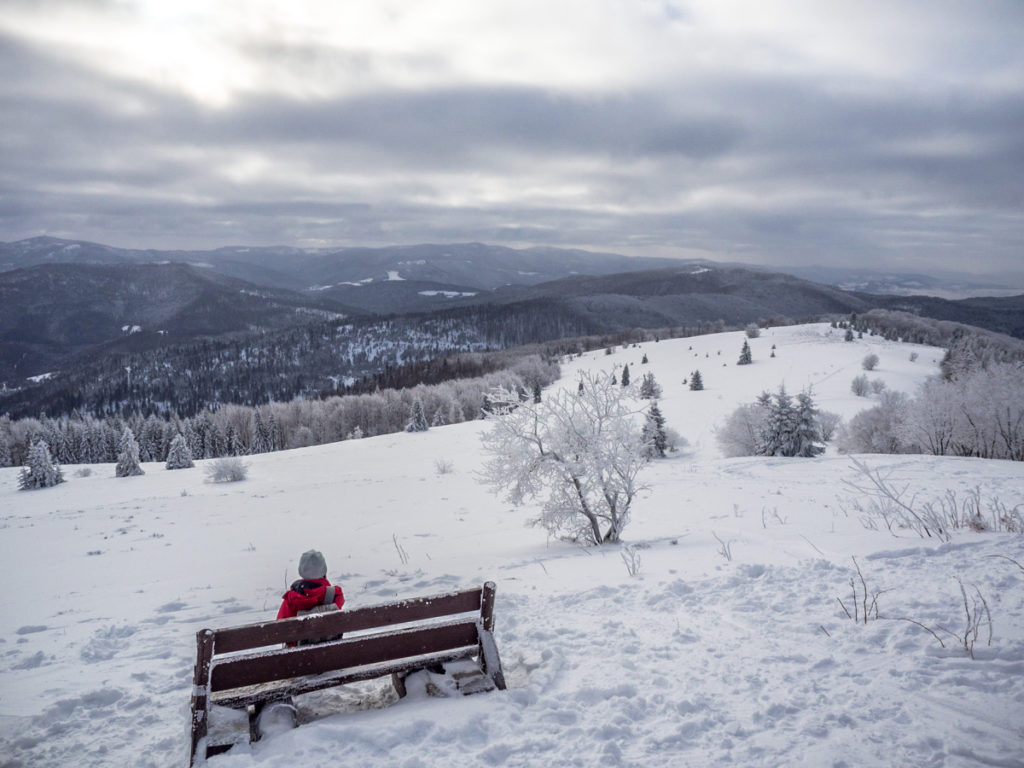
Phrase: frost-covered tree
x=654 y=437
x=579 y=453
x=40 y=471
x=848 y=336
x=417 y=418
x=870 y=362
x=745 y=357
x=128 y=456
x=696 y=382
x=649 y=388
x=876 y=430
x=178 y=455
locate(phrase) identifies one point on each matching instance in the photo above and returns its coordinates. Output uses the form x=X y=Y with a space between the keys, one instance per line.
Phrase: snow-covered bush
x=226 y=470
x=740 y=435
x=40 y=471
x=178 y=455
x=860 y=386
x=128 y=456
x=870 y=362
x=752 y=330
x=829 y=422
x=878 y=429
x=577 y=452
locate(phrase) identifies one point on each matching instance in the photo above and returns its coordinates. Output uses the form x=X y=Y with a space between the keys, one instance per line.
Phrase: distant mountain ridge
x=108 y=309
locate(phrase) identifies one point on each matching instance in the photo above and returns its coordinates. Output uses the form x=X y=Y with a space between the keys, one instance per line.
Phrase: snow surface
x=698 y=660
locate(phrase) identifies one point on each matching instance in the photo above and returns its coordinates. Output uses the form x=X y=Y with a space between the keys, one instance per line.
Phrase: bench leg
x=281 y=713
x=398 y=681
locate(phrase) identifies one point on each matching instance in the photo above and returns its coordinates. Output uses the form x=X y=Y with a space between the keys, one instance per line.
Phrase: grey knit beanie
x=312 y=565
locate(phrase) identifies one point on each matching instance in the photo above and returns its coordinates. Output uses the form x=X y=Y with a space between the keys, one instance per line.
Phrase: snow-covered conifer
x=417 y=418
x=745 y=356
x=649 y=388
x=40 y=471
x=625 y=375
x=178 y=455
x=696 y=382
x=128 y=456
x=655 y=441
x=848 y=336
x=807 y=441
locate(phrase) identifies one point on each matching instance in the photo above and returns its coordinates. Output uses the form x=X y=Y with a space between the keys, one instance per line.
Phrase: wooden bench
x=252 y=665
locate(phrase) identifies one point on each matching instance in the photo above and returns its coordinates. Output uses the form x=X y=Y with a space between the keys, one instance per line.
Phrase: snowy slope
x=699 y=660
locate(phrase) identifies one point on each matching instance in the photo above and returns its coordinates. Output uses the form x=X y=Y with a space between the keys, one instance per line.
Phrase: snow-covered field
x=700 y=659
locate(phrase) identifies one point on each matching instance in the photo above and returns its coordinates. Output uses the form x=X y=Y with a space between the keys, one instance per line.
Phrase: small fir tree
x=696 y=382
x=40 y=471
x=625 y=375
x=654 y=437
x=178 y=455
x=536 y=392
x=644 y=360
x=649 y=388
x=745 y=356
x=417 y=418
x=849 y=335
x=128 y=456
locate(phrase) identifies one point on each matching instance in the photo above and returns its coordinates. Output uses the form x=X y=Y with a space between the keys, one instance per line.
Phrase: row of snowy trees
x=774 y=425
x=234 y=430
x=978 y=413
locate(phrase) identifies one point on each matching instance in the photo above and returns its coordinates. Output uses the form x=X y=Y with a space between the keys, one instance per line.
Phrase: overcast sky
x=875 y=132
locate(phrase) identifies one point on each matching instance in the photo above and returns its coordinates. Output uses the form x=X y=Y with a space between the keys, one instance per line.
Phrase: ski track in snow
x=699 y=660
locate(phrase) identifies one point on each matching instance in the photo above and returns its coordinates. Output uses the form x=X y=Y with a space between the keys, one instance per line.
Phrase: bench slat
x=283 y=664
x=240 y=698
x=321 y=625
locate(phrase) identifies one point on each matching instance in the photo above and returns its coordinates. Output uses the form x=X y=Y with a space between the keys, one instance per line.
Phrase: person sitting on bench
x=312 y=591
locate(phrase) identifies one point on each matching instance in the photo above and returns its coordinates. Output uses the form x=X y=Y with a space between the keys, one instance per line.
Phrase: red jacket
x=305 y=594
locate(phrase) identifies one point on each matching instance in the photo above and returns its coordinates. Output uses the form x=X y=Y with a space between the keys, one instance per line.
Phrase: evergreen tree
x=649 y=388
x=5 y=451
x=417 y=418
x=536 y=392
x=40 y=471
x=128 y=456
x=654 y=437
x=644 y=361
x=696 y=382
x=625 y=375
x=807 y=439
x=745 y=356
x=178 y=455
x=849 y=335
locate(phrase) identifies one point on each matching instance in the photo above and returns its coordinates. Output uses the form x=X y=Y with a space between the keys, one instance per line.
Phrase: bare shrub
x=859 y=386
x=230 y=469
x=875 y=499
x=877 y=386
x=443 y=466
x=829 y=422
x=631 y=558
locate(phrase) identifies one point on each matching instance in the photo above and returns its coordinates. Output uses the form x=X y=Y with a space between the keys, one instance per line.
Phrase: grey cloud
x=856 y=171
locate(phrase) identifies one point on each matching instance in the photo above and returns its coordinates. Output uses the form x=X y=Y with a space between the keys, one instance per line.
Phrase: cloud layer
x=843 y=133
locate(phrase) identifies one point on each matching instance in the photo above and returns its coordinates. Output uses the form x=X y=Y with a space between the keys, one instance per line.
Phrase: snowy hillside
x=728 y=647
